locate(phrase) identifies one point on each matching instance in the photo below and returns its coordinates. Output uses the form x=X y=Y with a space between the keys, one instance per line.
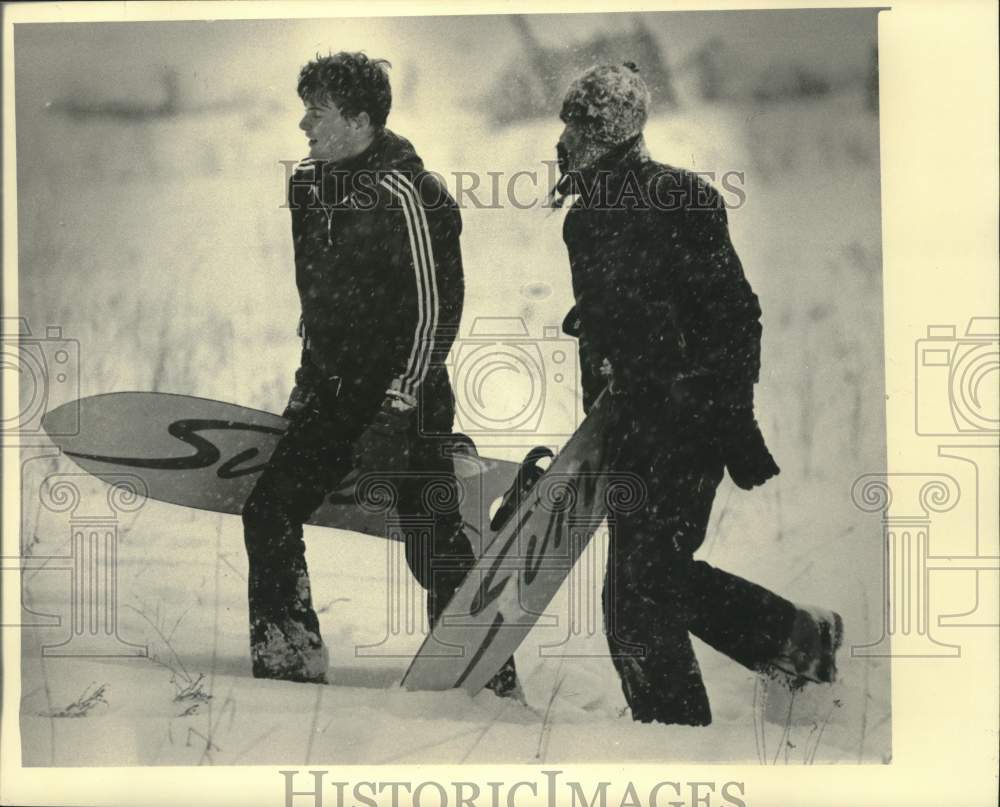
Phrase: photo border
x=938 y=124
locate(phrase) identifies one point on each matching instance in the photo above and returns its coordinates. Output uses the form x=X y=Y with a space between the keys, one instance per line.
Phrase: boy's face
x=331 y=136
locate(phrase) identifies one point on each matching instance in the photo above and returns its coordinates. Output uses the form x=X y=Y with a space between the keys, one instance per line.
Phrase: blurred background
x=152 y=168
x=150 y=171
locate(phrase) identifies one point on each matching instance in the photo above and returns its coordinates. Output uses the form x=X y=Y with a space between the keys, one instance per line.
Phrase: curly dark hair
x=352 y=81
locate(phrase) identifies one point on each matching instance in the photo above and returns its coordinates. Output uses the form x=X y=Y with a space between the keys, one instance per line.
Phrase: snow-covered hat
x=612 y=101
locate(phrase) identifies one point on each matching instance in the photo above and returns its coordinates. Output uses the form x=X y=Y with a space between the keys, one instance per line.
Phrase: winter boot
x=289 y=651
x=285 y=641
x=505 y=683
x=809 y=653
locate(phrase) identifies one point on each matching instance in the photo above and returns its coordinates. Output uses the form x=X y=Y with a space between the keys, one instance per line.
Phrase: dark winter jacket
x=378 y=268
x=659 y=289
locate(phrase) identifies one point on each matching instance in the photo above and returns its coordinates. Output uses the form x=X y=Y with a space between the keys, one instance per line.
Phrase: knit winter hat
x=612 y=101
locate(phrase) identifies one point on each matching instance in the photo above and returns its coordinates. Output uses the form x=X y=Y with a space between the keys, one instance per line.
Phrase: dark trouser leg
x=741 y=619
x=655 y=593
x=654 y=597
x=438 y=551
x=646 y=622
x=284 y=630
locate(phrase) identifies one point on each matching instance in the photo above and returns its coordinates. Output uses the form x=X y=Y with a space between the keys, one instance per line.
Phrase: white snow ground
x=162 y=248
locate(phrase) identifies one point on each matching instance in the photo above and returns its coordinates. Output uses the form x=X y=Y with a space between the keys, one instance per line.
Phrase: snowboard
x=526 y=562
x=207 y=454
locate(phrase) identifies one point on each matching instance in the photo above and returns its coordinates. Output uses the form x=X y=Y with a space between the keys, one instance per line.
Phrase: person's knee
x=442 y=557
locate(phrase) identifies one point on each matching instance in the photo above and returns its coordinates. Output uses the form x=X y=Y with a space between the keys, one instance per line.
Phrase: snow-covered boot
x=810 y=652
x=289 y=651
x=285 y=641
x=505 y=684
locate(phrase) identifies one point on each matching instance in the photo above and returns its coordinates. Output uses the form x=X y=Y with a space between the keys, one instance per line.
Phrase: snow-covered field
x=163 y=249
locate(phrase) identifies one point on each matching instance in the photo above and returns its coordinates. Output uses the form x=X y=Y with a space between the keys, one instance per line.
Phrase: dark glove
x=726 y=411
x=743 y=449
x=385 y=445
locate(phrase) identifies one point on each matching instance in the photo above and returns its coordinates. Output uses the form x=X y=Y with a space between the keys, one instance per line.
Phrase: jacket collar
x=619 y=159
x=366 y=160
x=333 y=180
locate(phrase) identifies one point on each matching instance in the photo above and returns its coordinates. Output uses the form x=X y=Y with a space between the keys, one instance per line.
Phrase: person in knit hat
x=669 y=325
x=610 y=104
x=604 y=110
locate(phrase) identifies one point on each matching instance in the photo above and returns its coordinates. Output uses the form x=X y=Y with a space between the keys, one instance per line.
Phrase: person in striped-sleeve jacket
x=379 y=272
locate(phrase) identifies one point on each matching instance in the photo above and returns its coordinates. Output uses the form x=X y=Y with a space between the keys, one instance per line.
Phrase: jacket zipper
x=328 y=212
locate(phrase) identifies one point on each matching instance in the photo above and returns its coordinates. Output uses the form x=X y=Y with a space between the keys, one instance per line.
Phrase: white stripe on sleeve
x=426 y=279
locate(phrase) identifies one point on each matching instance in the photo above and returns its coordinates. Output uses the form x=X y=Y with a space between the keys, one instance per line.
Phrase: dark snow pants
x=311 y=459
x=655 y=593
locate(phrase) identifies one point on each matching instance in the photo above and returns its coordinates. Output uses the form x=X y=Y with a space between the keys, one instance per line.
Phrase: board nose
x=63 y=422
